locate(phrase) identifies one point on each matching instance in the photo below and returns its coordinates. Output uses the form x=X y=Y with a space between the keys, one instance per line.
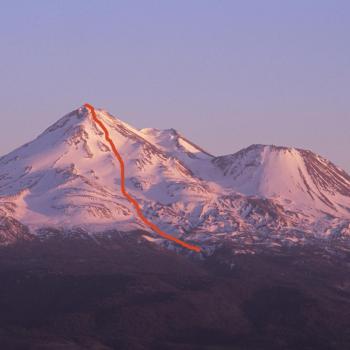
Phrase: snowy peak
x=68 y=175
x=173 y=143
x=298 y=178
x=68 y=178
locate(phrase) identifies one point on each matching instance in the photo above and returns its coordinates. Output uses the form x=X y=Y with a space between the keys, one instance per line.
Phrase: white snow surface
x=67 y=178
x=298 y=179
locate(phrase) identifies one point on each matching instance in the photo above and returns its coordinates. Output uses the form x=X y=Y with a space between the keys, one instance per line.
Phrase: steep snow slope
x=174 y=144
x=67 y=178
x=298 y=179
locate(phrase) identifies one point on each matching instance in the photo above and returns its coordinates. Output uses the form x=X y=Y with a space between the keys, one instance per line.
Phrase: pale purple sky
x=224 y=73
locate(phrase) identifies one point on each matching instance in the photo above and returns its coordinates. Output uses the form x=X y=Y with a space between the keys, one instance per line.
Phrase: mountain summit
x=68 y=180
x=298 y=178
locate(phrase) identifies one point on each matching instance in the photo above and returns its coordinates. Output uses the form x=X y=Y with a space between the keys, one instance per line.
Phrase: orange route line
x=132 y=200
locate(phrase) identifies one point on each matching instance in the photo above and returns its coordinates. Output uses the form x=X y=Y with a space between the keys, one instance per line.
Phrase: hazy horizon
x=225 y=74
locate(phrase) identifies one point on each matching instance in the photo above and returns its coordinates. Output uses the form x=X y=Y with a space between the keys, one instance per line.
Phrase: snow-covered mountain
x=299 y=179
x=67 y=179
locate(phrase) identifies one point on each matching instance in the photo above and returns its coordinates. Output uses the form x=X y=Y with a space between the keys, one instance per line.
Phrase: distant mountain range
x=67 y=181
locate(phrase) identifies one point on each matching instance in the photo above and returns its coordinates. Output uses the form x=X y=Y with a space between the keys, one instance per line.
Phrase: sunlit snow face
x=68 y=177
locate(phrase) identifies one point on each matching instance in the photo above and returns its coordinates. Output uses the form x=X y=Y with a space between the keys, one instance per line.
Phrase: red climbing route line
x=132 y=200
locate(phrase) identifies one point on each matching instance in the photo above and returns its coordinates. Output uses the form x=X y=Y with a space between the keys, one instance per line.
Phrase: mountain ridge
x=67 y=178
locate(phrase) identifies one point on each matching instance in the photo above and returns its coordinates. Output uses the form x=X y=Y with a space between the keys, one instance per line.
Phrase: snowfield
x=67 y=179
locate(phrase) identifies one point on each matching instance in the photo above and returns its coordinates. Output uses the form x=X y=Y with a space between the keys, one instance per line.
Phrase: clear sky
x=224 y=73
